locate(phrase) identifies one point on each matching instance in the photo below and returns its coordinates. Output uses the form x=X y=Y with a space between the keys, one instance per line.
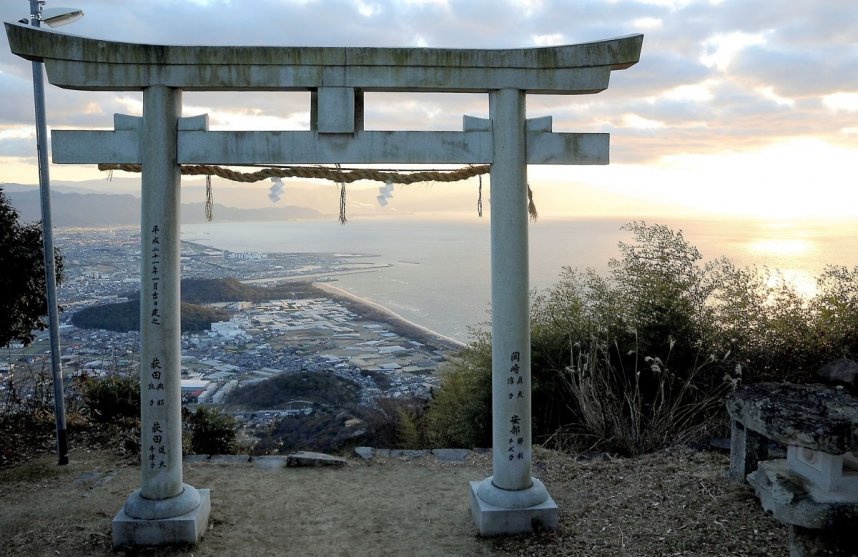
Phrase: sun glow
x=780 y=247
x=801 y=281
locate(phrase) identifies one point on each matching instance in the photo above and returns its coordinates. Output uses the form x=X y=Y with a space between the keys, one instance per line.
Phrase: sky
x=744 y=108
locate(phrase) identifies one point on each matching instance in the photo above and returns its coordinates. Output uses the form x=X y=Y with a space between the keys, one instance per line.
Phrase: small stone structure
x=815 y=489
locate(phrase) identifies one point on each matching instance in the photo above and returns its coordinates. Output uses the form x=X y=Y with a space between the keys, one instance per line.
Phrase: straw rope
x=321 y=172
x=338 y=175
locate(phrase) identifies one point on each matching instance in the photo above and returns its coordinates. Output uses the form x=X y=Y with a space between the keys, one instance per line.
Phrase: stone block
x=813 y=416
x=364 y=453
x=829 y=474
x=747 y=448
x=496 y=521
x=270 y=462
x=305 y=458
x=788 y=498
x=184 y=529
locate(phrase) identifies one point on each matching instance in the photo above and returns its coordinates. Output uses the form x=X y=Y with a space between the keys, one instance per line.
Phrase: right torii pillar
x=511 y=500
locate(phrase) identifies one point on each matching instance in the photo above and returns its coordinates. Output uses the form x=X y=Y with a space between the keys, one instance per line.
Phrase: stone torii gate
x=165 y=510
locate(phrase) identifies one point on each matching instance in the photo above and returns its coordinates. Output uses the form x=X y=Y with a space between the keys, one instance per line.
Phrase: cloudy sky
x=737 y=107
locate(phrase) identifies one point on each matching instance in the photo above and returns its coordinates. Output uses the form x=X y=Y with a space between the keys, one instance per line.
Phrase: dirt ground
x=670 y=503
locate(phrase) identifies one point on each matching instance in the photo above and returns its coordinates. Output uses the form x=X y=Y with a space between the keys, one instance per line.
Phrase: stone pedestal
x=817 y=527
x=511 y=512
x=180 y=520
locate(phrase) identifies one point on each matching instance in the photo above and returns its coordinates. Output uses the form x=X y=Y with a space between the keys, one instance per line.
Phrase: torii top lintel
x=74 y=62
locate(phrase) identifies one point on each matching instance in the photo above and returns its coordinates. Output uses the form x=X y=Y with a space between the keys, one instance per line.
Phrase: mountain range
x=74 y=209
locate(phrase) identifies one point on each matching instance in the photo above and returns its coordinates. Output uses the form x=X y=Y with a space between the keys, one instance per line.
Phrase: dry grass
x=638 y=411
x=668 y=503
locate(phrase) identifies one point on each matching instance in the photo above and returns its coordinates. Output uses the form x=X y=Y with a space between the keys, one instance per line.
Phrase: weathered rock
x=840 y=372
x=304 y=458
x=813 y=416
x=364 y=453
x=270 y=462
x=784 y=494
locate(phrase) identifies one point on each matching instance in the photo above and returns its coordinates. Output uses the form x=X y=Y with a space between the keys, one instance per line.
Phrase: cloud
x=714 y=76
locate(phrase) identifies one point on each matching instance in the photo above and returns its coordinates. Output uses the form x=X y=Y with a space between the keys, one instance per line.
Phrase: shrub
x=618 y=416
x=459 y=414
x=627 y=360
x=212 y=431
x=835 y=310
x=112 y=398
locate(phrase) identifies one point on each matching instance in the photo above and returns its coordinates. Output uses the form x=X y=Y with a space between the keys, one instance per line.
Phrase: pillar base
x=186 y=528
x=519 y=511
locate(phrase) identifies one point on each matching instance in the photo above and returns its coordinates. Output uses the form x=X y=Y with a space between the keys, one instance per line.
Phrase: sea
x=437 y=272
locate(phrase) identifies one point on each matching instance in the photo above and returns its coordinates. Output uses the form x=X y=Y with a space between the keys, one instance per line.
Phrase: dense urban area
x=260 y=341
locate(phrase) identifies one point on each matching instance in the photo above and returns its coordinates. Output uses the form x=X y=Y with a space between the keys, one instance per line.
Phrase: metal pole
x=48 y=242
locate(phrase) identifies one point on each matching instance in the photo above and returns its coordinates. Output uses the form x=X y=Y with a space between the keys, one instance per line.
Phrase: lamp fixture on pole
x=52 y=17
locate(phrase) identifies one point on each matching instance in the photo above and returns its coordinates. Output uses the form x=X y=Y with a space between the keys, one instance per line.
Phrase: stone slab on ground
x=364 y=453
x=306 y=458
x=179 y=530
x=270 y=462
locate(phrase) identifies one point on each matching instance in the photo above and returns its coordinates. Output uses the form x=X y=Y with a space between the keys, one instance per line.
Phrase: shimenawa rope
x=338 y=175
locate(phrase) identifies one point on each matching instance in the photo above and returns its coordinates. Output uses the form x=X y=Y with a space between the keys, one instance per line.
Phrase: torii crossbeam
x=165 y=510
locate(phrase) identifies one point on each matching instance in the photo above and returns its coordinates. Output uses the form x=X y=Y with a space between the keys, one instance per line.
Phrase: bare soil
x=670 y=503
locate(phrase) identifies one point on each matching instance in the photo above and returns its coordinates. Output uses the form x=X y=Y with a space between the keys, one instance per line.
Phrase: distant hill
x=76 y=209
x=125 y=316
x=320 y=388
x=94 y=209
x=208 y=291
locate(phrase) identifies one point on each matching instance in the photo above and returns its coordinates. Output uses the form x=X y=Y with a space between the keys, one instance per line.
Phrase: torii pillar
x=165 y=510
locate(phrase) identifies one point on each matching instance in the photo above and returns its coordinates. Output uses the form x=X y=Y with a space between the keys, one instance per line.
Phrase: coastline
x=374 y=311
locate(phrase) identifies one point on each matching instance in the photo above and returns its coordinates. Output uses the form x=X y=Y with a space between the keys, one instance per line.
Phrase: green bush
x=631 y=360
x=212 y=431
x=835 y=313
x=112 y=398
x=459 y=414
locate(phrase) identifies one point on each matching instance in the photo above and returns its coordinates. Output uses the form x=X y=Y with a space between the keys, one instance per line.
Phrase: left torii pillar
x=164 y=510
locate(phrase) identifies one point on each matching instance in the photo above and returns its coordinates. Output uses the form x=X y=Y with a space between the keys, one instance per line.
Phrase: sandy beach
x=377 y=312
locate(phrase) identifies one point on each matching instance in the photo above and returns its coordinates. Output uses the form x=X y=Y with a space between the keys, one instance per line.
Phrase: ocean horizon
x=437 y=271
